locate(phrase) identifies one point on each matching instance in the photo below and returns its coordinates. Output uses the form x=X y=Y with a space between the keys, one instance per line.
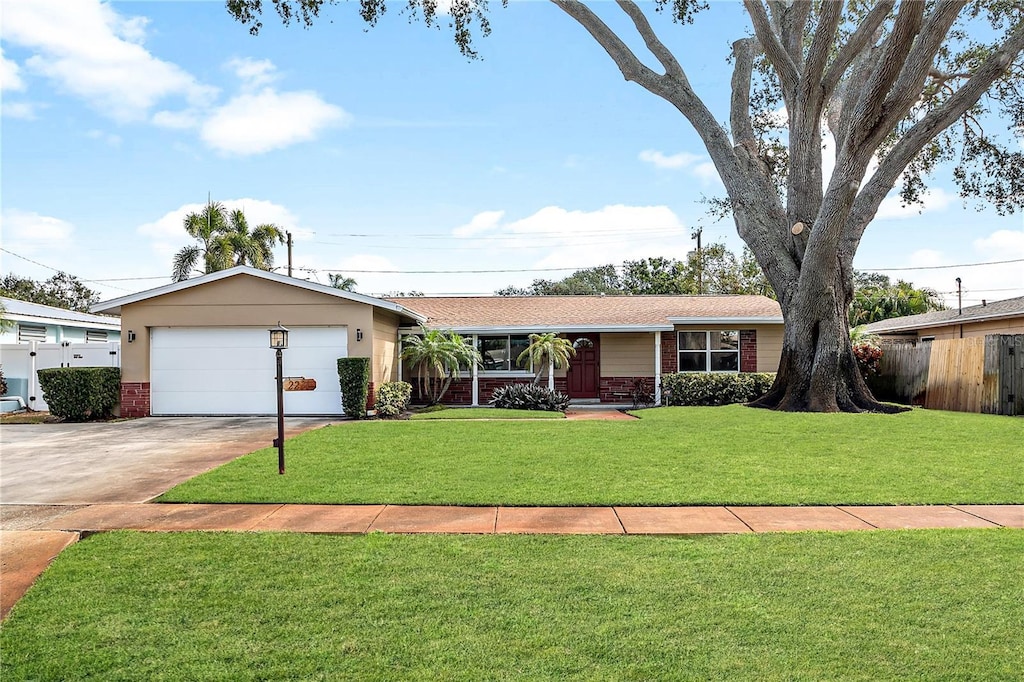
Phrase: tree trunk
x=818 y=371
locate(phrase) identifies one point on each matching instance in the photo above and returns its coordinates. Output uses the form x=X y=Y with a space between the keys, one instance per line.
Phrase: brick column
x=669 y=353
x=748 y=350
x=135 y=399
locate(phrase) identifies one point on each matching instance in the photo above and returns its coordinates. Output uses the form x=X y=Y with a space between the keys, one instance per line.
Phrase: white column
x=551 y=376
x=476 y=384
x=657 y=368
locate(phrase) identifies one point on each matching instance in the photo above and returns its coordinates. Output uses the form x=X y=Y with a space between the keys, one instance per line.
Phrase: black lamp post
x=279 y=341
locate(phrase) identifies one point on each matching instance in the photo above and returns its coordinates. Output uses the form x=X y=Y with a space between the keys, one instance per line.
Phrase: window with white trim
x=499 y=353
x=31 y=332
x=709 y=351
x=95 y=336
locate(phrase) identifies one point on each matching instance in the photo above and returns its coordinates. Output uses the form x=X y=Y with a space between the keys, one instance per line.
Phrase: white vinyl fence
x=21 y=361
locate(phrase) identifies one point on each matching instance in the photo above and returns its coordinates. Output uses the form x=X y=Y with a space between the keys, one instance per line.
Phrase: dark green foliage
x=392 y=398
x=354 y=377
x=3 y=382
x=60 y=291
x=81 y=393
x=529 y=397
x=700 y=389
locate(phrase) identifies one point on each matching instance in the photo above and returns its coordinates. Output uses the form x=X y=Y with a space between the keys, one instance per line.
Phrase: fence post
x=992 y=391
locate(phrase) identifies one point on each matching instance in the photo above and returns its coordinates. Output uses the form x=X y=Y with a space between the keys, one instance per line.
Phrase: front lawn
x=885 y=605
x=671 y=456
x=486 y=413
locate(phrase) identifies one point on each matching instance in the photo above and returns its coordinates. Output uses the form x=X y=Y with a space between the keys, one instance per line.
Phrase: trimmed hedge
x=714 y=388
x=81 y=393
x=354 y=377
x=392 y=398
x=529 y=397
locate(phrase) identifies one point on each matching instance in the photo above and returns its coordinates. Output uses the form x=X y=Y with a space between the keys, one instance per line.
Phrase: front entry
x=584 y=375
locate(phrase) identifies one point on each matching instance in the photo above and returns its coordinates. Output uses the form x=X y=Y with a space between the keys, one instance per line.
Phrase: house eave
x=540 y=329
x=726 y=320
x=55 y=321
x=942 y=323
x=113 y=306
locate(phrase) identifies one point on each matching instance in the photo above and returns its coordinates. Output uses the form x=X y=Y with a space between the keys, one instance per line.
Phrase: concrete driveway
x=130 y=461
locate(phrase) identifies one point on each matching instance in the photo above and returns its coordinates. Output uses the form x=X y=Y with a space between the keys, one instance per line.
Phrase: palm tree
x=206 y=226
x=438 y=356
x=253 y=247
x=224 y=240
x=549 y=351
x=340 y=281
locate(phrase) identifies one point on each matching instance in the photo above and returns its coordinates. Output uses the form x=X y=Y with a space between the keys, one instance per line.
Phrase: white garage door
x=231 y=370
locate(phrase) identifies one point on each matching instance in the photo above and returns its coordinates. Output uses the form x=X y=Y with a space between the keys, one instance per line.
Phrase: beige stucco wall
x=241 y=301
x=769 y=341
x=1007 y=326
x=627 y=354
x=385 y=346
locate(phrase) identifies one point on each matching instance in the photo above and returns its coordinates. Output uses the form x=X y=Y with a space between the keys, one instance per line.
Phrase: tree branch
x=789 y=75
x=861 y=39
x=920 y=134
x=743 y=51
x=631 y=67
x=652 y=41
x=824 y=39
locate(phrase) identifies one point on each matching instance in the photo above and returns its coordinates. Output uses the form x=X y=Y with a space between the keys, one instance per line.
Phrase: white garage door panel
x=230 y=370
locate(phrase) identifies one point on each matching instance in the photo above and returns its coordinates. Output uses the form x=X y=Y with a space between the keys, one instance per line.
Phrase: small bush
x=868 y=355
x=392 y=398
x=529 y=397
x=3 y=382
x=714 y=388
x=80 y=393
x=354 y=377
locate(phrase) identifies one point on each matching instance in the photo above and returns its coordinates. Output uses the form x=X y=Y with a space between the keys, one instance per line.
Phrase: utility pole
x=959 y=298
x=289 y=253
x=700 y=261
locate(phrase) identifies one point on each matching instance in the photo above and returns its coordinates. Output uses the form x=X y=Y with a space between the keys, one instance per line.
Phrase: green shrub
x=354 y=377
x=392 y=398
x=3 y=382
x=529 y=397
x=714 y=388
x=80 y=393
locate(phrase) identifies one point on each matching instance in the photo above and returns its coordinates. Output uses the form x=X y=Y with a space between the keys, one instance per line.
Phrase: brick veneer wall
x=669 y=353
x=135 y=399
x=371 y=396
x=461 y=392
x=620 y=389
x=748 y=350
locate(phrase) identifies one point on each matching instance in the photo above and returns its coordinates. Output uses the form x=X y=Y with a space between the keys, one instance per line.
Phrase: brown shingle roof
x=1011 y=307
x=567 y=312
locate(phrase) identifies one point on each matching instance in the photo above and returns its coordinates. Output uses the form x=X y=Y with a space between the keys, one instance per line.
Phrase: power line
x=43 y=265
x=943 y=267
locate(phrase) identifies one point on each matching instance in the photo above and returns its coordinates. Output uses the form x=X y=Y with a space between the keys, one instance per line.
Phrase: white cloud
x=260 y=122
x=481 y=222
x=936 y=199
x=169 y=227
x=10 y=78
x=91 y=51
x=177 y=120
x=110 y=138
x=665 y=162
x=253 y=73
x=22 y=110
x=29 y=233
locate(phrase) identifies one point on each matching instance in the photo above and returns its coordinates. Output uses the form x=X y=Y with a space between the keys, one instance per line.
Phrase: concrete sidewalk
x=25 y=553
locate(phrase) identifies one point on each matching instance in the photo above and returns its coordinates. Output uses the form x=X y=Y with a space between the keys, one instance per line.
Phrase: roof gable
x=114 y=306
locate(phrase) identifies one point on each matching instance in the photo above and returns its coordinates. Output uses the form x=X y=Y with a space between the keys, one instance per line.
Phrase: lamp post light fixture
x=279 y=341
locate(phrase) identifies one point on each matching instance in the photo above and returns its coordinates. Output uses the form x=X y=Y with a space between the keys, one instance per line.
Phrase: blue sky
x=119 y=118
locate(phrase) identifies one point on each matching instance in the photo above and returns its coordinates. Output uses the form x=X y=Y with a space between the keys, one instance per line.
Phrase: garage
x=231 y=371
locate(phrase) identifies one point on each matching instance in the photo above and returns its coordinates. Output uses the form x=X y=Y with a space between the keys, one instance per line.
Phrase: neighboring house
x=997 y=317
x=46 y=324
x=201 y=346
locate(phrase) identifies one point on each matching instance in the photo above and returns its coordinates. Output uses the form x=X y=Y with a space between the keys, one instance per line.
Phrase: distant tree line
x=60 y=291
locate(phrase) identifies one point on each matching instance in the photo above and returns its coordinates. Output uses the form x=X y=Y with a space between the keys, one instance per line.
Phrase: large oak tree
x=901 y=86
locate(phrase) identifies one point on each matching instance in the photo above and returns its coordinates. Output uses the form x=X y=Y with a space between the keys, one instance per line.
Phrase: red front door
x=584 y=375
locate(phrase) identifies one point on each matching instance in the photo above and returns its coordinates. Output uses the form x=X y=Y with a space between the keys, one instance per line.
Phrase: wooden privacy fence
x=976 y=374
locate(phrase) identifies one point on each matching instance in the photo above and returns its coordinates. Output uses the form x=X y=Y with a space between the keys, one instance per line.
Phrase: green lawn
x=487 y=413
x=671 y=456
x=932 y=605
